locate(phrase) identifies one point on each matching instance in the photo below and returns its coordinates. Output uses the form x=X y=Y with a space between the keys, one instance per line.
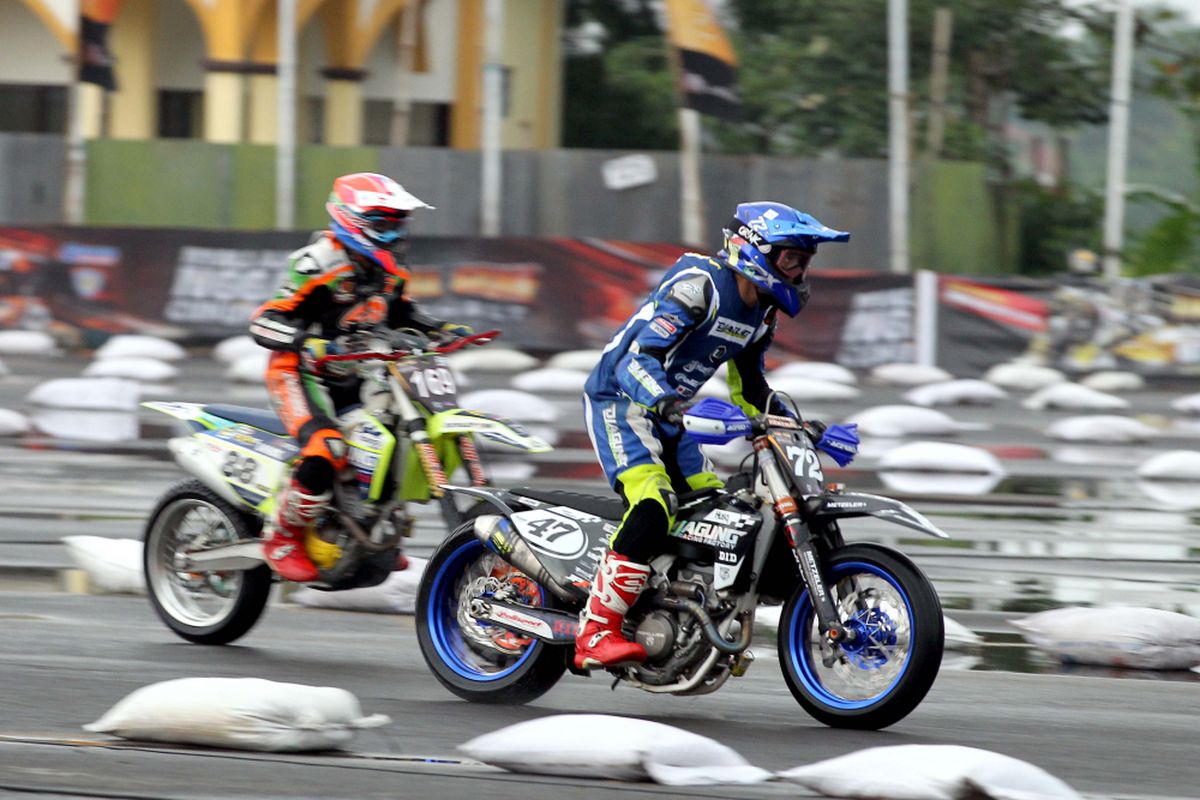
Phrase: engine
x=673 y=639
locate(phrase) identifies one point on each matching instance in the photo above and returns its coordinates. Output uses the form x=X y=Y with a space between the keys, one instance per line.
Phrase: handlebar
x=398 y=355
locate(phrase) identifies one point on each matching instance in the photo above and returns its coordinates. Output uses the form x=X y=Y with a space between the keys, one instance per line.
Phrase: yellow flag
x=708 y=64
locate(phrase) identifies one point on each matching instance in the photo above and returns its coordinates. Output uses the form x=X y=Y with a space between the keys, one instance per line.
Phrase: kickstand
x=616 y=680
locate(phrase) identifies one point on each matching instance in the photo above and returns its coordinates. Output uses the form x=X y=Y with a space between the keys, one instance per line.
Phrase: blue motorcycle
x=860 y=634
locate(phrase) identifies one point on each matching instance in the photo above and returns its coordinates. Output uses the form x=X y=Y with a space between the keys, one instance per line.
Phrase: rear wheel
x=206 y=607
x=479 y=662
x=880 y=676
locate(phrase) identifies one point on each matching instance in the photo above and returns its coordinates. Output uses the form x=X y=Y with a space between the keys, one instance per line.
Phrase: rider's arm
x=679 y=307
x=282 y=323
x=747 y=379
x=404 y=313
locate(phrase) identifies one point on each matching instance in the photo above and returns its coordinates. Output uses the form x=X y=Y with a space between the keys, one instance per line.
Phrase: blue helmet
x=762 y=233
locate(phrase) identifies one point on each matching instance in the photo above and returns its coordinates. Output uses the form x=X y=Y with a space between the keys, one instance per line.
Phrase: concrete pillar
x=264 y=108
x=223 y=117
x=343 y=107
x=133 y=109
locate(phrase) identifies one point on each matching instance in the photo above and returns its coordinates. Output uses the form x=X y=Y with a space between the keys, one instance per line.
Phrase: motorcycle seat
x=603 y=506
x=254 y=417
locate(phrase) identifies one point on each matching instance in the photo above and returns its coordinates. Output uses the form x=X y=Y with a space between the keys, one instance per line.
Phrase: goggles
x=384 y=228
x=792 y=262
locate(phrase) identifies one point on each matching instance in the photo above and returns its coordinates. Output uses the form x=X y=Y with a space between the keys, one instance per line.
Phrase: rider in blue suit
x=705 y=312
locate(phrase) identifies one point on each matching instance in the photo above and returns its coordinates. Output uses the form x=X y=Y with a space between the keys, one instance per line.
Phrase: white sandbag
x=510 y=471
x=612 y=748
x=113 y=566
x=1114 y=381
x=27 y=343
x=135 y=368
x=897 y=421
x=12 y=422
x=1023 y=377
x=728 y=455
x=396 y=595
x=941 y=457
x=929 y=772
x=956 y=483
x=817 y=370
x=239 y=713
x=714 y=387
x=802 y=389
x=510 y=404
x=962 y=392
x=113 y=394
x=585 y=360
x=492 y=359
x=959 y=636
x=1100 y=428
x=230 y=350
x=1178 y=465
x=249 y=368
x=910 y=374
x=1075 y=397
x=132 y=346
x=1133 y=638
x=551 y=379
x=85 y=424
x=1173 y=494
x=1188 y=404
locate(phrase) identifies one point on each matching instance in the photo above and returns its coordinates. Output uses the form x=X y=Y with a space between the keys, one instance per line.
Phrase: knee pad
x=324 y=442
x=315 y=474
x=651 y=511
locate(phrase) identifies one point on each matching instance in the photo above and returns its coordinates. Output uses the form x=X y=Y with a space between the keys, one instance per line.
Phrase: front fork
x=803 y=546
x=431 y=465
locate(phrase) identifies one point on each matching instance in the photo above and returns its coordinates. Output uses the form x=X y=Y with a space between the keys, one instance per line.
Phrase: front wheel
x=205 y=607
x=883 y=674
x=479 y=662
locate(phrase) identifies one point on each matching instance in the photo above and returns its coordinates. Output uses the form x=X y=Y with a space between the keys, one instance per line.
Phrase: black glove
x=670 y=410
x=814 y=428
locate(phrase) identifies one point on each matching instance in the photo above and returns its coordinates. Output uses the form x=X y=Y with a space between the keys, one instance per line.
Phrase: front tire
x=480 y=663
x=213 y=607
x=881 y=676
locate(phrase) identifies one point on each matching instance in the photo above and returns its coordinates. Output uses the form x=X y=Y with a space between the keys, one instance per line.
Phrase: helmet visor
x=792 y=263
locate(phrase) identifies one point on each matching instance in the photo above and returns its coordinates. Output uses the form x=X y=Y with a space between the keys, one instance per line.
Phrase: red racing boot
x=283 y=539
x=617 y=584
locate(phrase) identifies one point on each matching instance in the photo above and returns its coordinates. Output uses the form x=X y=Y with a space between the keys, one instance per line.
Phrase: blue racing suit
x=694 y=321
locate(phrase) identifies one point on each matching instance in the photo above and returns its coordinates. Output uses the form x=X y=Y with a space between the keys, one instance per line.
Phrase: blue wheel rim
x=443 y=625
x=805 y=658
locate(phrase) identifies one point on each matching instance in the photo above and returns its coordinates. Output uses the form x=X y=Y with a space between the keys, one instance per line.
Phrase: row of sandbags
x=257 y=714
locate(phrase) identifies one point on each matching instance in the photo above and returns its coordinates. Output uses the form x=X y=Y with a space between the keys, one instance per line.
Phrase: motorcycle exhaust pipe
x=499 y=536
x=708 y=626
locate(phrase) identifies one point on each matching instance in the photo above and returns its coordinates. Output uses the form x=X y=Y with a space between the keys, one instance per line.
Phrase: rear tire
x=466 y=664
x=214 y=607
x=885 y=673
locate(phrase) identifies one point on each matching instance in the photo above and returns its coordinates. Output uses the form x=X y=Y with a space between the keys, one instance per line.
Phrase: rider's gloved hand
x=314 y=348
x=814 y=428
x=670 y=409
x=455 y=330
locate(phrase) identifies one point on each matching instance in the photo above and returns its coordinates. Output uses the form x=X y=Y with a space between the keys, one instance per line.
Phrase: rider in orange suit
x=350 y=275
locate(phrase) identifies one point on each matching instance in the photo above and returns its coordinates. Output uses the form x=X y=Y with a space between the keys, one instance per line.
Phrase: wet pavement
x=1068 y=525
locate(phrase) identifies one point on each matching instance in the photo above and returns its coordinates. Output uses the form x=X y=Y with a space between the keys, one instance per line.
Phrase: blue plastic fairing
x=840 y=442
x=713 y=421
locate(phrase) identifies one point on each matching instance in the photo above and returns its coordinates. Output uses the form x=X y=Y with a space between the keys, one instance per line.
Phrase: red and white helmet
x=369 y=213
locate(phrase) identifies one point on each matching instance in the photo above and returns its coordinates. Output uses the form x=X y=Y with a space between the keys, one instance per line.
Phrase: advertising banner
x=546 y=295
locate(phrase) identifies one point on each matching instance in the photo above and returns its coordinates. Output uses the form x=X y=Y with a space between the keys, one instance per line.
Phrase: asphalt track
x=1054 y=532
